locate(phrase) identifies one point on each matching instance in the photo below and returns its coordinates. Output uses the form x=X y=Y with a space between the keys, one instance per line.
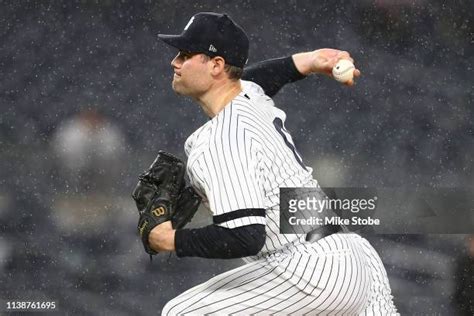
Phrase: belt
x=324 y=231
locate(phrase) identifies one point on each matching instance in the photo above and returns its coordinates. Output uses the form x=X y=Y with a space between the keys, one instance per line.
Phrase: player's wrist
x=304 y=62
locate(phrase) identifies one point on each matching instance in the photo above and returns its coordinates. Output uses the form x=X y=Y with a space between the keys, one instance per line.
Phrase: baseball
x=343 y=71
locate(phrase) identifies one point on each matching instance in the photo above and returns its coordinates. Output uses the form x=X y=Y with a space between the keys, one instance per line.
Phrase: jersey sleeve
x=234 y=183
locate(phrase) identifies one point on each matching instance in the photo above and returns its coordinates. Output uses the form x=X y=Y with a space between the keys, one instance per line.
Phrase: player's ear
x=217 y=65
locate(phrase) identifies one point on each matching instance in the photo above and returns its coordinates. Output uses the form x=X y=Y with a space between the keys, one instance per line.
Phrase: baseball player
x=237 y=161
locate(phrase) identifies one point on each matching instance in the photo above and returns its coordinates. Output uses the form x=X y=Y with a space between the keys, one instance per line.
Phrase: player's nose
x=175 y=62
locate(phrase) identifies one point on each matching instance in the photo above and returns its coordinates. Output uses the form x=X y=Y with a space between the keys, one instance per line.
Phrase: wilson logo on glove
x=159 y=211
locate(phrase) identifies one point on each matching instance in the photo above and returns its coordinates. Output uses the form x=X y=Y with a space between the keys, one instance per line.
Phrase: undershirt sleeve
x=219 y=242
x=273 y=74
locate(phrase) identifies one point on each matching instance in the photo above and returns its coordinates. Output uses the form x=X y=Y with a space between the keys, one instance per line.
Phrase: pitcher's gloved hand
x=161 y=195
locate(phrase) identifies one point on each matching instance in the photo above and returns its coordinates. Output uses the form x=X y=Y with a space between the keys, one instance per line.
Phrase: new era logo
x=212 y=49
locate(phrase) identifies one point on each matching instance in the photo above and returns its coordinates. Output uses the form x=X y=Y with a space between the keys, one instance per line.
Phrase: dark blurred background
x=86 y=104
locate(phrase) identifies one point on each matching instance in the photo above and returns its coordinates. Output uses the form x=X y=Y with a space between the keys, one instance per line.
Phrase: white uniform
x=238 y=161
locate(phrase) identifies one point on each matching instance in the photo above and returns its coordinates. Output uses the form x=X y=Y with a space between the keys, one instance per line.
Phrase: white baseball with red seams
x=343 y=71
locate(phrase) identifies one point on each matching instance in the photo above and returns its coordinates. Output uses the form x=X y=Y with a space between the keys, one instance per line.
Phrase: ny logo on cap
x=212 y=49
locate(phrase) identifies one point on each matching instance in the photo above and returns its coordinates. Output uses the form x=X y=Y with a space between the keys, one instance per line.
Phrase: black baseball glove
x=161 y=195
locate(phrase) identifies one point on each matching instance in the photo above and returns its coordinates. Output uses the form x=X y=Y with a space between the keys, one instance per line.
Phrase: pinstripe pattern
x=239 y=160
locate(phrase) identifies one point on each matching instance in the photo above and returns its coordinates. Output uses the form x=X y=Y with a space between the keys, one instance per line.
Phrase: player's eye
x=185 y=55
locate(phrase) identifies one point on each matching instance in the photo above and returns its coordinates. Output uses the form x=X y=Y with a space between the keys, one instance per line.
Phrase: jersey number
x=278 y=123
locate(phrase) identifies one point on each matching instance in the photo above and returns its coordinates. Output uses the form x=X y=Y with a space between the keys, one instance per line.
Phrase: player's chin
x=176 y=87
x=182 y=88
x=179 y=89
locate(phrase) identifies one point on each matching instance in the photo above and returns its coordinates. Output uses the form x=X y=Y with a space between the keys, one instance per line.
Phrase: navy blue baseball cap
x=213 y=34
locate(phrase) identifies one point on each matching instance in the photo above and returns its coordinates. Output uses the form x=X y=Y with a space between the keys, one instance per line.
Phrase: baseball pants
x=340 y=274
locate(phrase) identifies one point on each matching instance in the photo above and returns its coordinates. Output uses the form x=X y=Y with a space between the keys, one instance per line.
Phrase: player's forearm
x=218 y=242
x=272 y=74
x=162 y=237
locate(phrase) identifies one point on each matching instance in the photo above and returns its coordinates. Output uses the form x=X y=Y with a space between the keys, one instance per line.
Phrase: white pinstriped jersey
x=239 y=160
x=241 y=157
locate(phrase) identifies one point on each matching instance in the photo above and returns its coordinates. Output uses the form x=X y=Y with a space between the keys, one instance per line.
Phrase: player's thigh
x=331 y=276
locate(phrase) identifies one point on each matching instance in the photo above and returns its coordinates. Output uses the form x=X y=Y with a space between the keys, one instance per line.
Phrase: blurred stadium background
x=86 y=104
